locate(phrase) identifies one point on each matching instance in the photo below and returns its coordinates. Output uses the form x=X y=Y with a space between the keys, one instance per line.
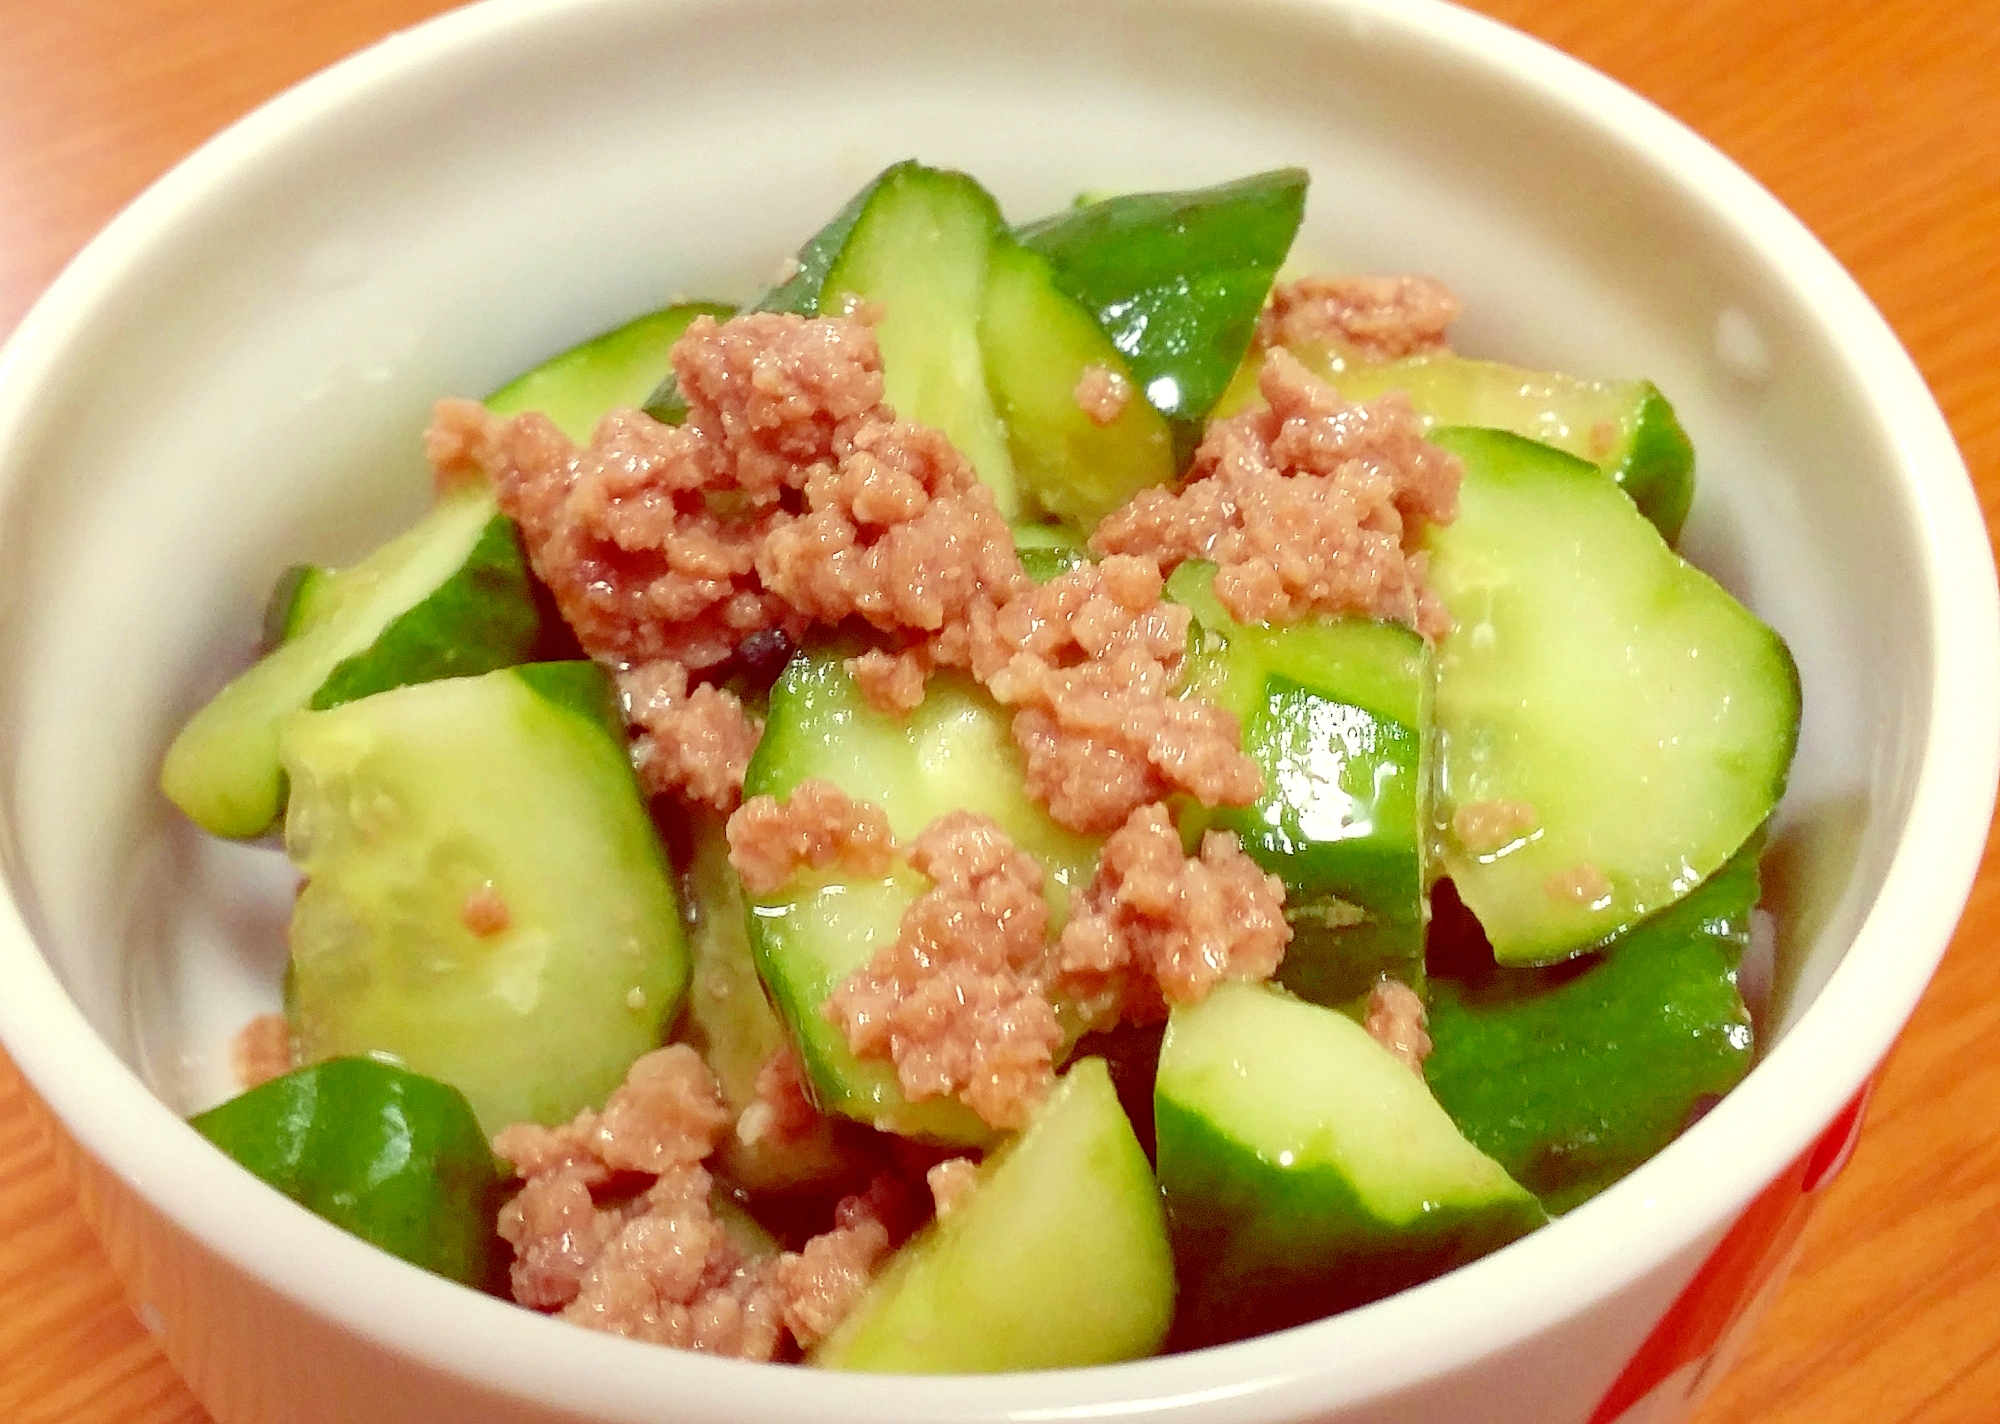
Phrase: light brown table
x=1879 y=123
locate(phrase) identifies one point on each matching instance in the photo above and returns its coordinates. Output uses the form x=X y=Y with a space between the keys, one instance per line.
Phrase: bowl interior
x=242 y=371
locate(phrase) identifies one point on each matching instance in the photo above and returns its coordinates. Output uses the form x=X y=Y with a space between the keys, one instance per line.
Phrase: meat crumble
x=1307 y=505
x=1379 y=317
x=956 y=1002
x=1156 y=927
x=659 y=1264
x=1484 y=827
x=1396 y=1020
x=261 y=1050
x=1102 y=393
x=817 y=826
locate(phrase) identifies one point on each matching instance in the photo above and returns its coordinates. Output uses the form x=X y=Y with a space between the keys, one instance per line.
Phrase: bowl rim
x=1685 y=1195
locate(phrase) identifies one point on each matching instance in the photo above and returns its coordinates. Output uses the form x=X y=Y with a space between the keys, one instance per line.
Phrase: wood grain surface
x=1878 y=123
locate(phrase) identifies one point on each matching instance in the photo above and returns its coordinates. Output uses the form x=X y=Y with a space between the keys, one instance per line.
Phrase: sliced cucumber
x=1625 y=428
x=1048 y=551
x=1336 y=713
x=1307 y=1170
x=1038 y=344
x=485 y=901
x=1176 y=279
x=734 y=1028
x=609 y=372
x=953 y=752
x=919 y=250
x=1059 y=1257
x=1646 y=717
x=298 y=601
x=450 y=597
x=1571 y=1077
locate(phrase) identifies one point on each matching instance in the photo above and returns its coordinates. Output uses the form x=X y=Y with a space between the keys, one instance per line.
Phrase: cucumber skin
x=392 y=1157
x=1176 y=280
x=485 y=616
x=1372 y=682
x=1656 y=466
x=1059 y=1259
x=1571 y=1077
x=1036 y=343
x=518 y=782
x=1508 y=465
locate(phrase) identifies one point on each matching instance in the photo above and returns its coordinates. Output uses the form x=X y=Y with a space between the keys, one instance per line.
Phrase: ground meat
x=1483 y=827
x=1156 y=927
x=694 y=741
x=1380 y=317
x=1092 y=661
x=1583 y=884
x=956 y=1002
x=457 y=443
x=1308 y=505
x=782 y=1109
x=1102 y=393
x=658 y=1265
x=951 y=1182
x=892 y=682
x=485 y=912
x=1396 y=1021
x=261 y=1050
x=817 y=826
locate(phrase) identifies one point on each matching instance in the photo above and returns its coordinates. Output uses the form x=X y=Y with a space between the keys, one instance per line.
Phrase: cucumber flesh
x=1059 y=1257
x=1625 y=428
x=919 y=250
x=450 y=596
x=953 y=752
x=1647 y=717
x=409 y=810
x=1176 y=280
x=1307 y=1170
x=609 y=372
x=1571 y=1077
x=733 y=1026
x=1037 y=344
x=1337 y=715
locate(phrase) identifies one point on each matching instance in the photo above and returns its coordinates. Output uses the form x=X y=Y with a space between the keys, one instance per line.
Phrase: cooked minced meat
x=818 y=826
x=1395 y=1019
x=1379 y=317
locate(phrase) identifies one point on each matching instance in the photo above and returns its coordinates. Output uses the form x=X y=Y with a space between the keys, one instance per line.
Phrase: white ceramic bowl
x=235 y=373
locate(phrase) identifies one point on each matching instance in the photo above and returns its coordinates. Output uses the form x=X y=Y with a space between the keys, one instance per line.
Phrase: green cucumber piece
x=1176 y=280
x=609 y=372
x=919 y=250
x=1058 y=1258
x=1571 y=1077
x=1037 y=343
x=914 y=241
x=732 y=1025
x=449 y=597
x=405 y=807
x=298 y=602
x=1646 y=716
x=1337 y=715
x=953 y=752
x=1307 y=1170
x=1048 y=551
x=397 y=1159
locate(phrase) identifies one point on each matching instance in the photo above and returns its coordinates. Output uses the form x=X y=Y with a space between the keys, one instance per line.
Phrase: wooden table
x=1878 y=123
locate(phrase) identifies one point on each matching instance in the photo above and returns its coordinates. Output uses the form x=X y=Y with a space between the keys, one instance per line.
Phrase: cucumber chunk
x=485 y=901
x=449 y=597
x=615 y=370
x=1571 y=1077
x=396 y=1159
x=1176 y=279
x=1048 y=551
x=953 y=752
x=1625 y=428
x=1059 y=1257
x=1307 y=1170
x=1038 y=344
x=298 y=601
x=1646 y=717
x=1337 y=715
x=733 y=1026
